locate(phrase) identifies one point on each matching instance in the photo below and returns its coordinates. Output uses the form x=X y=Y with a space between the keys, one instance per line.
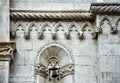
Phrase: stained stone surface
x=4 y=20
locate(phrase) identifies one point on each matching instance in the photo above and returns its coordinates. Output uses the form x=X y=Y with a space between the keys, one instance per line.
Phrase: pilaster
x=6 y=55
x=4 y=21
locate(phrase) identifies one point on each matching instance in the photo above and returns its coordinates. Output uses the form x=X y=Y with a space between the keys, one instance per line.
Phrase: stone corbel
x=54 y=35
x=13 y=34
x=27 y=35
x=40 y=35
x=67 y=35
x=114 y=30
x=6 y=51
x=80 y=35
x=66 y=70
x=96 y=33
x=99 y=30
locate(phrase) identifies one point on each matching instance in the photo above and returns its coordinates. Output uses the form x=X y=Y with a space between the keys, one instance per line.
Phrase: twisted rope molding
x=105 y=8
x=51 y=15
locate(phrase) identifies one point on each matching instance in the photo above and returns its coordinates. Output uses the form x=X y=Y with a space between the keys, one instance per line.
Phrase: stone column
x=4 y=21
x=6 y=55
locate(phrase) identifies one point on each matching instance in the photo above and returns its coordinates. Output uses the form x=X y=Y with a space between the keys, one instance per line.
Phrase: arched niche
x=20 y=29
x=106 y=24
x=56 y=56
x=73 y=30
x=87 y=30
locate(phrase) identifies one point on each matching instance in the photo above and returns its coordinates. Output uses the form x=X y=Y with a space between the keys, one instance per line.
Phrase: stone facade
x=56 y=41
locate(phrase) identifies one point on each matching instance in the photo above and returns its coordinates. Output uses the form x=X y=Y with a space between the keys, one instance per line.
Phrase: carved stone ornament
x=105 y=8
x=40 y=69
x=51 y=15
x=6 y=50
x=66 y=70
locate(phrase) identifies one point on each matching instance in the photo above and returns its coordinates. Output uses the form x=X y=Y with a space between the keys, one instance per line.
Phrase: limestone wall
x=87 y=40
x=83 y=52
x=96 y=61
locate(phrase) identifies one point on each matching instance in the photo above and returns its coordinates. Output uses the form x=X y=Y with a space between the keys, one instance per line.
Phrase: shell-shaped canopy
x=54 y=51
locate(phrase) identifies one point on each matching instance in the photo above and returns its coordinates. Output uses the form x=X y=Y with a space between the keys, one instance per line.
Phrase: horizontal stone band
x=105 y=8
x=50 y=15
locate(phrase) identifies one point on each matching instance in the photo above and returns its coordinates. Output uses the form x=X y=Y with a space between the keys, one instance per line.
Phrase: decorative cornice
x=105 y=8
x=51 y=15
x=6 y=50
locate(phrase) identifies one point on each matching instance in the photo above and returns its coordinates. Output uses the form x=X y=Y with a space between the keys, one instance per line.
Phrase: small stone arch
x=85 y=25
x=31 y=24
x=106 y=18
x=16 y=28
x=83 y=29
x=71 y=25
x=20 y=23
x=57 y=26
x=44 y=25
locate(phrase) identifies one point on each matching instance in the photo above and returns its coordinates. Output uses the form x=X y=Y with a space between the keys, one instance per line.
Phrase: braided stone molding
x=105 y=8
x=51 y=15
x=6 y=50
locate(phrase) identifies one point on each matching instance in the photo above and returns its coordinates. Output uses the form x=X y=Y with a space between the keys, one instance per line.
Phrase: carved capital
x=6 y=50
